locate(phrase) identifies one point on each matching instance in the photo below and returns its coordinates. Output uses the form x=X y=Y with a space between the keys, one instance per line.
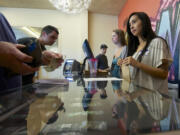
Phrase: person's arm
x=160 y=72
x=12 y=58
x=98 y=63
x=112 y=65
x=102 y=70
x=107 y=69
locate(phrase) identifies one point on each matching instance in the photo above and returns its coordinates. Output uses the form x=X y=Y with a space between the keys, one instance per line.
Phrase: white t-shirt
x=156 y=52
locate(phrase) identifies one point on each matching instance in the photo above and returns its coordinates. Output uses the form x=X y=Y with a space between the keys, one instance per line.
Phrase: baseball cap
x=103 y=46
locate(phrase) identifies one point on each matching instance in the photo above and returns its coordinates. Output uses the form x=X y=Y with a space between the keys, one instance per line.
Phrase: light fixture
x=71 y=6
x=31 y=32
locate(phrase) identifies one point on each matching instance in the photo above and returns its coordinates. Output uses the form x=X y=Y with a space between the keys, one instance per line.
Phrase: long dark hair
x=147 y=34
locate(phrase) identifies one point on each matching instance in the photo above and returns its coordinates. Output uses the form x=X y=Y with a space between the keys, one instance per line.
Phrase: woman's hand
x=119 y=62
x=160 y=72
x=131 y=61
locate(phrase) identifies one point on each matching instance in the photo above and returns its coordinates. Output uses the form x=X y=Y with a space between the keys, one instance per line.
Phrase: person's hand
x=119 y=62
x=48 y=56
x=102 y=70
x=127 y=95
x=130 y=61
x=12 y=58
x=107 y=69
x=124 y=94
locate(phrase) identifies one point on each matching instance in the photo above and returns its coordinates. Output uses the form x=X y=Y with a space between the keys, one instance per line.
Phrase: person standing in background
x=149 y=56
x=102 y=59
x=118 y=38
x=49 y=35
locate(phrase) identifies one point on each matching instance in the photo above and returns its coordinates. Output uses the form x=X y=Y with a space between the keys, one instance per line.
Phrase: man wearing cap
x=102 y=59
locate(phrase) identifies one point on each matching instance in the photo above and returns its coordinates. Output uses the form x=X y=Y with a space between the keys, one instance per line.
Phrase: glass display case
x=87 y=108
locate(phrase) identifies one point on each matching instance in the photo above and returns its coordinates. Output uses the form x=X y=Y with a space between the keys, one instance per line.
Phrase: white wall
x=73 y=28
x=100 y=31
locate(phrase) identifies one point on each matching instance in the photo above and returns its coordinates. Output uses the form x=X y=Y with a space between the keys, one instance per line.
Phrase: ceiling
x=112 y=7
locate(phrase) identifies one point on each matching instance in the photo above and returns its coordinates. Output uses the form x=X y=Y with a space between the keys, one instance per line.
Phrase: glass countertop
x=87 y=108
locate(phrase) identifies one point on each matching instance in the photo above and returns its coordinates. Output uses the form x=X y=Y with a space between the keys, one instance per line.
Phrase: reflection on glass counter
x=42 y=110
x=88 y=108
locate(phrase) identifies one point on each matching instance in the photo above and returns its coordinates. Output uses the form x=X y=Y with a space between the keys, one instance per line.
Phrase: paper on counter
x=103 y=79
x=62 y=82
